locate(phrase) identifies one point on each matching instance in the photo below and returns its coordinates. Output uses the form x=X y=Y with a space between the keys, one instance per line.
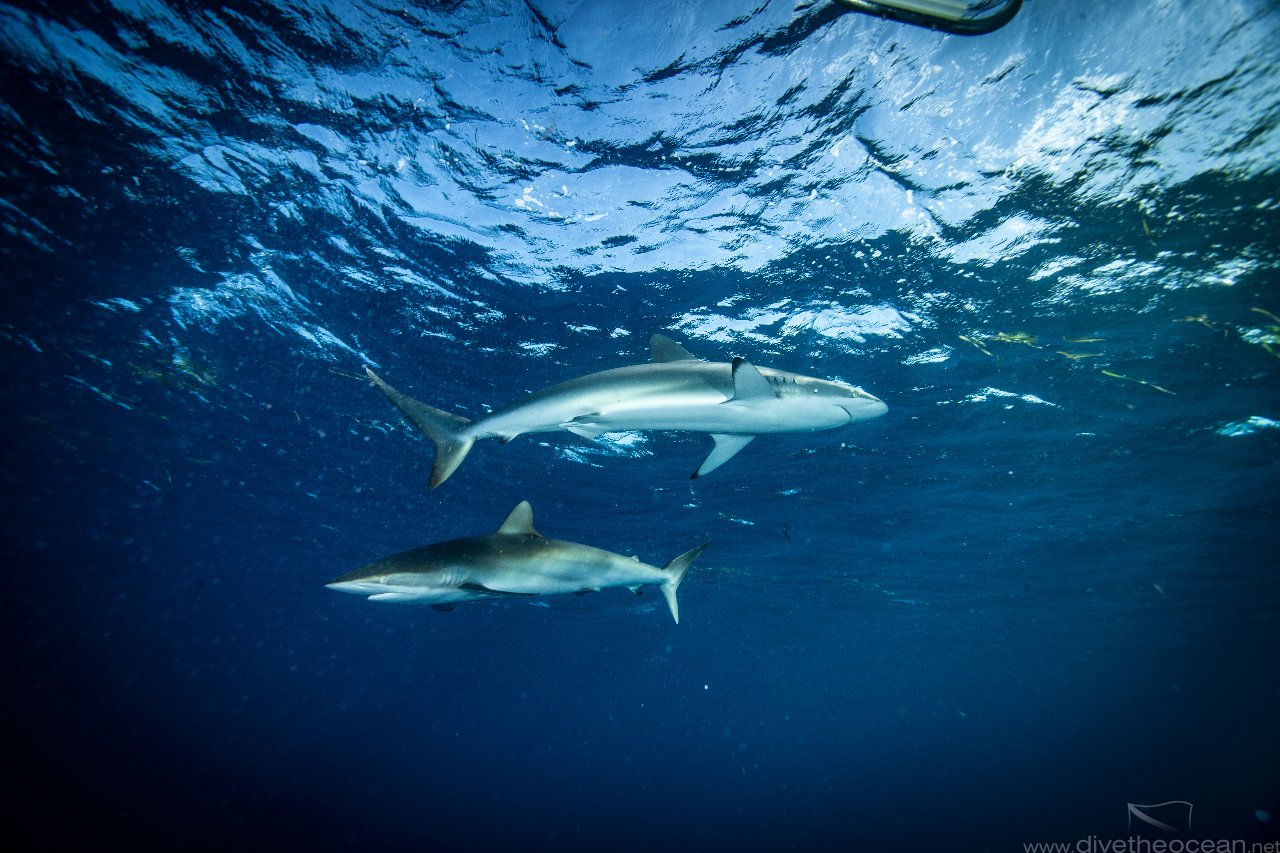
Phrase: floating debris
x=1135 y=379
x=982 y=341
x=180 y=372
x=1248 y=427
x=1267 y=337
x=1197 y=318
x=185 y=364
x=1024 y=338
x=977 y=343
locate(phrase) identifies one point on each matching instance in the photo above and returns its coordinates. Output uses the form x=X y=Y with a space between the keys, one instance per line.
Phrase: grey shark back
x=515 y=561
x=731 y=401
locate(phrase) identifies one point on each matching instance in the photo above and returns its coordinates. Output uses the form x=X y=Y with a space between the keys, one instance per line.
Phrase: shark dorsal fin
x=520 y=521
x=662 y=348
x=749 y=383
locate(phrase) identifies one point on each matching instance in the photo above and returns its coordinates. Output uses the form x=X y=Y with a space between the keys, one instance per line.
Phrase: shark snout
x=356 y=587
x=863 y=406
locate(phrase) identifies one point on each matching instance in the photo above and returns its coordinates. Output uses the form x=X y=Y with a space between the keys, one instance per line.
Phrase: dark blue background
x=975 y=622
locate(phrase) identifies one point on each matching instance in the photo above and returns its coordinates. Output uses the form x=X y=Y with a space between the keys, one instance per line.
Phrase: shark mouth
x=863 y=407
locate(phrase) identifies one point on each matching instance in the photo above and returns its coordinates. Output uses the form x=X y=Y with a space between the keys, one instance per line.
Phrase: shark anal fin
x=749 y=383
x=663 y=349
x=726 y=447
x=638 y=590
x=443 y=608
x=484 y=590
x=519 y=521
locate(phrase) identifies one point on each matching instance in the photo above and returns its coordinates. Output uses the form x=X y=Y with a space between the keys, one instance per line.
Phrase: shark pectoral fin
x=481 y=589
x=662 y=349
x=443 y=608
x=519 y=522
x=749 y=383
x=587 y=426
x=726 y=447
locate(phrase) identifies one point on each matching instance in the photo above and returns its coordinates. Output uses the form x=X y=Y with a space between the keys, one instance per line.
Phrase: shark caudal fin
x=676 y=568
x=445 y=430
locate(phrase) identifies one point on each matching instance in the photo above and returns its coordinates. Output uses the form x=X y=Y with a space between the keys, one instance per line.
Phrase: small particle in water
x=1158 y=588
x=706 y=687
x=1263 y=815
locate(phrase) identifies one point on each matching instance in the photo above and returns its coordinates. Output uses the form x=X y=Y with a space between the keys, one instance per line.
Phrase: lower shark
x=515 y=561
x=733 y=401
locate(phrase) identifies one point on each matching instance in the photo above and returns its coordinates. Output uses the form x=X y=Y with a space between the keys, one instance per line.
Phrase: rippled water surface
x=1041 y=588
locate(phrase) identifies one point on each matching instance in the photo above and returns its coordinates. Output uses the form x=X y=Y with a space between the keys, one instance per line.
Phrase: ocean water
x=1040 y=589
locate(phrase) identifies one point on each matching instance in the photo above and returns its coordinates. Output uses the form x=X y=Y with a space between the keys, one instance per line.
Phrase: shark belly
x=728 y=416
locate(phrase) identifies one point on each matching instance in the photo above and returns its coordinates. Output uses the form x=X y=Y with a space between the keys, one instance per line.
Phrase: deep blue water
x=1042 y=587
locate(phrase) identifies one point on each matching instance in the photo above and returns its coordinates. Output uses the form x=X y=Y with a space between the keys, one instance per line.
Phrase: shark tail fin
x=445 y=430
x=676 y=569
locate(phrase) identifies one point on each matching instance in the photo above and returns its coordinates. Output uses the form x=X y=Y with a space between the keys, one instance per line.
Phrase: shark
x=732 y=401
x=513 y=562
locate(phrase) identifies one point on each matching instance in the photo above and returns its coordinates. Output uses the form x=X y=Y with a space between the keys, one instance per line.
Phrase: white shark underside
x=515 y=561
x=734 y=402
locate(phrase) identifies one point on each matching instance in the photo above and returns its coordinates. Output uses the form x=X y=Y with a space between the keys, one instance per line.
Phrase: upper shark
x=733 y=401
